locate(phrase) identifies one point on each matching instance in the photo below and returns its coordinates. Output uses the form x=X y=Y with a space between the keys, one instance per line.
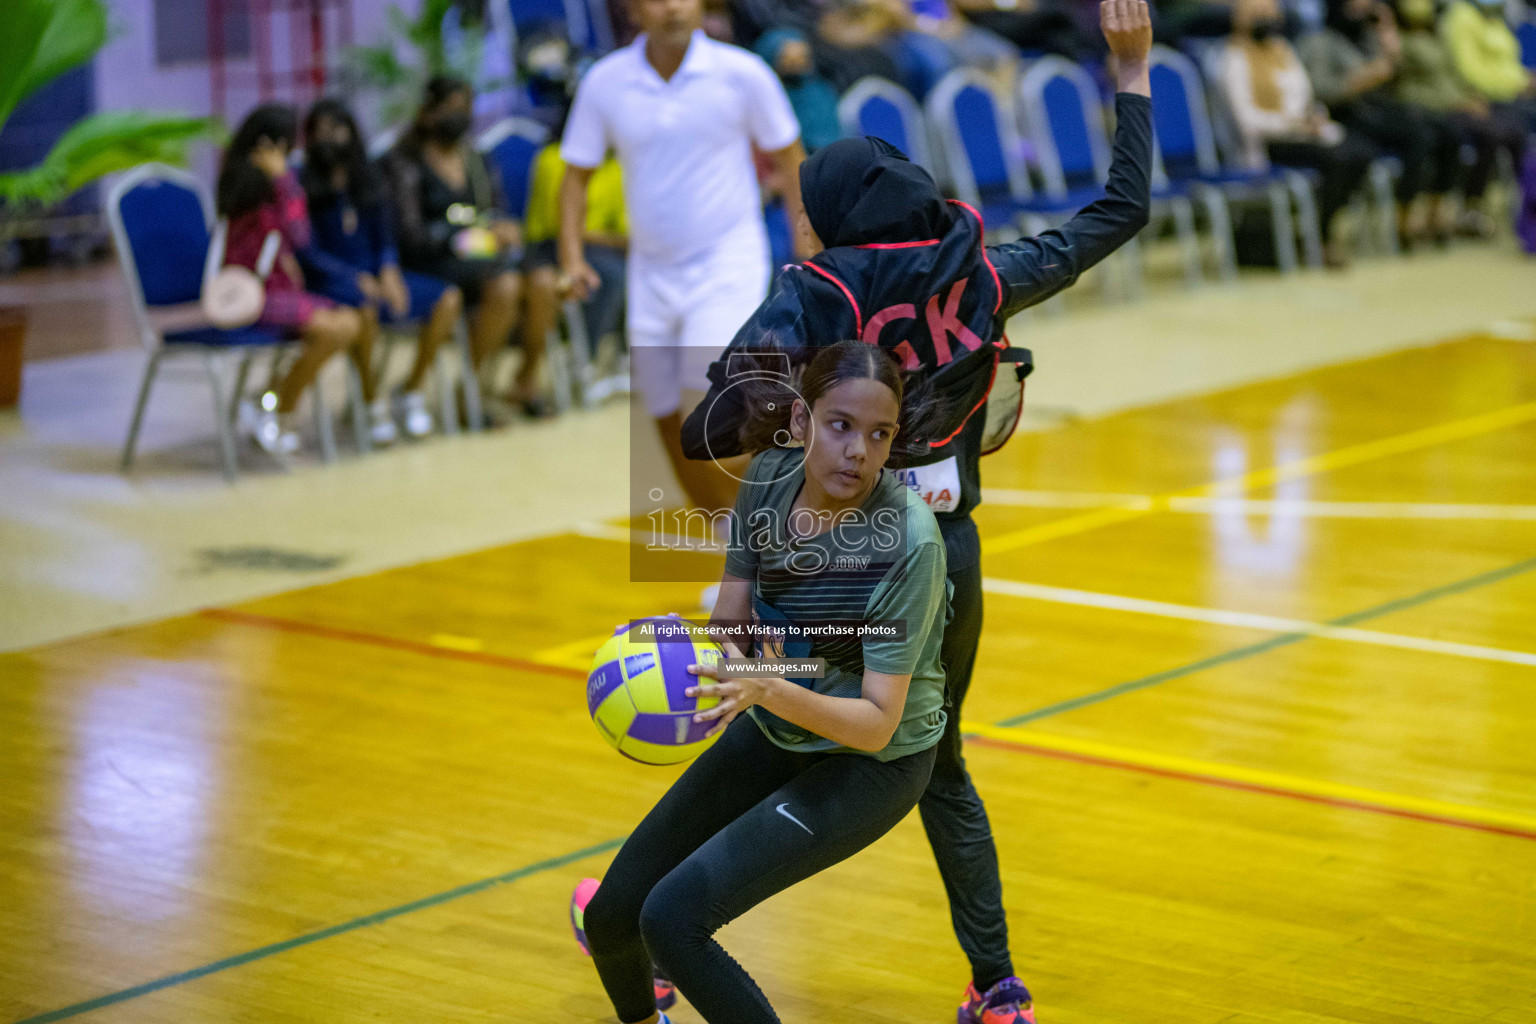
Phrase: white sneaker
x=266 y=427
x=381 y=426
x=411 y=411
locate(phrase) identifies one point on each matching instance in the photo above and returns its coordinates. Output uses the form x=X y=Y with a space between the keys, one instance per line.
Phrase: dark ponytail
x=928 y=412
x=769 y=400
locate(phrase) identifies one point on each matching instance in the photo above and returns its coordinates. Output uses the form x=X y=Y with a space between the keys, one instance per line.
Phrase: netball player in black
x=907 y=271
x=818 y=768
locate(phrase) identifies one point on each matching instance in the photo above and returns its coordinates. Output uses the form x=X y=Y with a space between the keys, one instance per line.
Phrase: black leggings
x=1343 y=167
x=746 y=820
x=1500 y=129
x=953 y=814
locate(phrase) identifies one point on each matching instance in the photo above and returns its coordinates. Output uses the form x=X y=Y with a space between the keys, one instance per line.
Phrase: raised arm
x=1033 y=269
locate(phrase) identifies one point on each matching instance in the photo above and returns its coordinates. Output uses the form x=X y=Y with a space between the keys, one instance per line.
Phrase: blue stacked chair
x=586 y=22
x=1186 y=142
x=882 y=109
x=1064 y=115
x=1525 y=31
x=978 y=135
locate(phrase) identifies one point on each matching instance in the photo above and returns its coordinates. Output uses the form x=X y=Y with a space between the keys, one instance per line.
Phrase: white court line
x=1352 y=509
x=1250 y=506
x=1247 y=620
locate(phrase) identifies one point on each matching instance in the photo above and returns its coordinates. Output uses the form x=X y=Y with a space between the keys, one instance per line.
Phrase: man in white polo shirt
x=682 y=112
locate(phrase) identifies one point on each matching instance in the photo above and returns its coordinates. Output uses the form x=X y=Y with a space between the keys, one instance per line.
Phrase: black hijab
x=863 y=190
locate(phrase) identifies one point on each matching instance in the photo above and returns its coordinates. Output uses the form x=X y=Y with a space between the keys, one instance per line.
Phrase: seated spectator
x=1352 y=63
x=605 y=243
x=925 y=40
x=1036 y=26
x=788 y=52
x=1427 y=78
x=1278 y=119
x=450 y=224
x=258 y=195
x=1487 y=56
x=353 y=259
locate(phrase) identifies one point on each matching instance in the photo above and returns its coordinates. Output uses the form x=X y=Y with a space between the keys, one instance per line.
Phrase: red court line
x=1251 y=787
x=272 y=622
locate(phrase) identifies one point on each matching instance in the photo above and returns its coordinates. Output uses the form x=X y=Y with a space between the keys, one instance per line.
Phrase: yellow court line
x=1293 y=785
x=1456 y=430
x=578 y=653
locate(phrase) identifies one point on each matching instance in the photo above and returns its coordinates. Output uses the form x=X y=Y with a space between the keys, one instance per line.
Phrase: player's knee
x=611 y=922
x=670 y=916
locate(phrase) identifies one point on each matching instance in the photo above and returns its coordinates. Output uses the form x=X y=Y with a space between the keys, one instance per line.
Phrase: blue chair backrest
x=981 y=141
x=1526 y=33
x=164 y=223
x=1064 y=115
x=880 y=118
x=1180 y=122
x=511 y=147
x=884 y=110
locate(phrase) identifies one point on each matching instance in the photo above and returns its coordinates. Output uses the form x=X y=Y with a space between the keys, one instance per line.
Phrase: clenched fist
x=1127 y=26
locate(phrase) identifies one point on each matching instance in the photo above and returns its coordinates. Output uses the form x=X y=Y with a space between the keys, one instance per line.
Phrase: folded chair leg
x=556 y=358
x=242 y=372
x=1283 y=230
x=360 y=418
x=1189 y=241
x=222 y=418
x=1306 y=218
x=150 y=370
x=1225 y=245
x=323 y=425
x=581 y=351
x=469 y=381
x=1386 y=206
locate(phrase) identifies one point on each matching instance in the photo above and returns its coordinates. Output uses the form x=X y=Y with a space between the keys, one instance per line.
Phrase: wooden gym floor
x=1254 y=717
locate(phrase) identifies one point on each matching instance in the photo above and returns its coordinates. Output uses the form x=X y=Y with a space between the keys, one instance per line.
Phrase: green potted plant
x=39 y=41
x=434 y=50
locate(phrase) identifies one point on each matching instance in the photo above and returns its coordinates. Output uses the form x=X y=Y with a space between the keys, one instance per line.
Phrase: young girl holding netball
x=817 y=769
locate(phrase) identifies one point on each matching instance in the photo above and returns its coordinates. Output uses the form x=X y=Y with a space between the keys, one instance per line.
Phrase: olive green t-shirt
x=883 y=563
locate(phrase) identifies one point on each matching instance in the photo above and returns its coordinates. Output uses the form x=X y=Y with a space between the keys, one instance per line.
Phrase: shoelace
x=1009 y=992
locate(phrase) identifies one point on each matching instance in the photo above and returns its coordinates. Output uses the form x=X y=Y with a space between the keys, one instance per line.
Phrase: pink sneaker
x=666 y=992
x=1007 y=1002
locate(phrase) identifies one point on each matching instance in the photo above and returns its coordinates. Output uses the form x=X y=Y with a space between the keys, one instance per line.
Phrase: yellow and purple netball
x=637 y=691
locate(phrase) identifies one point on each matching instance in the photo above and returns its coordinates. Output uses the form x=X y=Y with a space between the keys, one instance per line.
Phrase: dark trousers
x=746 y=820
x=1421 y=139
x=1343 y=168
x=1502 y=129
x=953 y=814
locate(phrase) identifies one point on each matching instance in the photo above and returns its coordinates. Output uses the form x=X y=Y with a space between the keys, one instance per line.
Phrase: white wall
x=127 y=77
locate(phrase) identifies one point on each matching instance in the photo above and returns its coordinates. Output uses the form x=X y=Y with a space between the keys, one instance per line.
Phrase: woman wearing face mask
x=1279 y=120
x=817 y=769
x=1352 y=62
x=450 y=224
x=258 y=195
x=788 y=52
x=353 y=258
x=1428 y=79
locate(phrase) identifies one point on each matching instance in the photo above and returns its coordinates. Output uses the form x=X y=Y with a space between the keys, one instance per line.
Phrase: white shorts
x=686 y=313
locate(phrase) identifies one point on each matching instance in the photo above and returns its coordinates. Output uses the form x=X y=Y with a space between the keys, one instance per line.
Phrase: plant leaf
x=104 y=144
x=23 y=23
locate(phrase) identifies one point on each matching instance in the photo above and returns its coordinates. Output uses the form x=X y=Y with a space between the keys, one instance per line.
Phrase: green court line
x=1264 y=646
x=275 y=948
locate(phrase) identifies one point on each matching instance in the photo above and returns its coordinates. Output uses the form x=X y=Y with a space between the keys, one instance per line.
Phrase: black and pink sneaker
x=1007 y=1002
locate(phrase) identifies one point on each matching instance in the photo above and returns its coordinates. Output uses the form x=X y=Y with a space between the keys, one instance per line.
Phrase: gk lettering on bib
x=937 y=483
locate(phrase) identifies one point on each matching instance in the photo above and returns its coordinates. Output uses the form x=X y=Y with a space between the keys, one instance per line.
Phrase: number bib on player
x=937 y=483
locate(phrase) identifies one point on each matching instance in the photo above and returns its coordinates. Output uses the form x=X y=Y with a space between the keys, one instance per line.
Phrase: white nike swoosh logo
x=792 y=818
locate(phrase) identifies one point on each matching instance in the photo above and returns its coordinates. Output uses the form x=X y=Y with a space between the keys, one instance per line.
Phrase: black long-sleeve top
x=880 y=295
